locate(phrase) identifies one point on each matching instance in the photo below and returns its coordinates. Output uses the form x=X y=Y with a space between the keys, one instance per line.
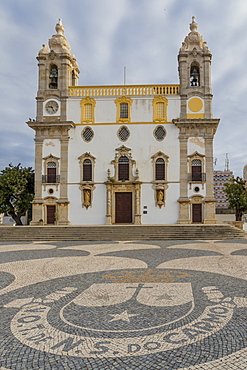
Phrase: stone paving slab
x=124 y=305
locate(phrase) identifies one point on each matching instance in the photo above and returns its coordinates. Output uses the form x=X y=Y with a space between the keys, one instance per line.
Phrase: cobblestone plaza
x=124 y=305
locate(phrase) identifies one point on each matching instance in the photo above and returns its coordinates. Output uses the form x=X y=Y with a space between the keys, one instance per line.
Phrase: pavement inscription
x=124 y=305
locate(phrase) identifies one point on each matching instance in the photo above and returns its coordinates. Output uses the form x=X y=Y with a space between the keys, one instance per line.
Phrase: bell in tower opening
x=194 y=76
x=53 y=77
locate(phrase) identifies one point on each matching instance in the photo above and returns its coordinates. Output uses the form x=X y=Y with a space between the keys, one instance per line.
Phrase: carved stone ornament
x=87 y=195
x=58 y=42
x=194 y=39
x=160 y=194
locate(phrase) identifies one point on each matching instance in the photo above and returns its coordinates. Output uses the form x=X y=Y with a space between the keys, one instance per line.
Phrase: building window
x=160 y=109
x=123 y=109
x=87 y=134
x=159 y=133
x=87 y=110
x=87 y=162
x=196 y=170
x=195 y=167
x=87 y=170
x=160 y=164
x=123 y=133
x=123 y=168
x=53 y=77
x=160 y=169
x=51 y=172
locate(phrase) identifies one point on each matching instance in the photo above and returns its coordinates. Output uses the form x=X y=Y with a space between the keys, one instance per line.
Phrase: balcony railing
x=130 y=90
x=198 y=177
x=51 y=179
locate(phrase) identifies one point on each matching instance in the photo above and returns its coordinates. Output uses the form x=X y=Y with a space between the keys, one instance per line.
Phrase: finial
x=59 y=27
x=193 y=25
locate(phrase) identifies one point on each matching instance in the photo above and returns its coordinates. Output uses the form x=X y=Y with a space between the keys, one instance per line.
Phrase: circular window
x=123 y=133
x=159 y=133
x=196 y=189
x=50 y=191
x=87 y=134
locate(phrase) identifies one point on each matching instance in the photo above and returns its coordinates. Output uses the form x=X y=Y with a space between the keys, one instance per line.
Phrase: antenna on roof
x=227 y=163
x=124 y=75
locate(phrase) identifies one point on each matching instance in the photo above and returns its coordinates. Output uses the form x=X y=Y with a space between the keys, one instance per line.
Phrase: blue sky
x=105 y=36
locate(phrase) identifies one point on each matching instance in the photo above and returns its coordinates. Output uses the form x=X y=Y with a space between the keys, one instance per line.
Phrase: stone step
x=120 y=232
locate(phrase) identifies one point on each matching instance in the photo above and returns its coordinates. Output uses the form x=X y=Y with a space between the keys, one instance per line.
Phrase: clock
x=51 y=107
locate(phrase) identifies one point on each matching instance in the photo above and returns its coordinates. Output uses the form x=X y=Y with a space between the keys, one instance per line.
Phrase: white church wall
x=95 y=215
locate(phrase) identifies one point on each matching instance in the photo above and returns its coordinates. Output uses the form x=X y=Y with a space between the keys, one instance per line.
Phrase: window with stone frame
x=87 y=163
x=123 y=104
x=87 y=110
x=160 y=104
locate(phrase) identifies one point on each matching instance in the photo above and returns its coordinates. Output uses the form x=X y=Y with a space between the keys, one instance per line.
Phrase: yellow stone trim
x=121 y=90
x=195 y=116
x=83 y=103
x=195 y=104
x=129 y=123
x=156 y=100
x=118 y=102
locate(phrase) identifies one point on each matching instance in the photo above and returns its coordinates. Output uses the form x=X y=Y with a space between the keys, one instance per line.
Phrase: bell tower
x=58 y=70
x=196 y=125
x=194 y=64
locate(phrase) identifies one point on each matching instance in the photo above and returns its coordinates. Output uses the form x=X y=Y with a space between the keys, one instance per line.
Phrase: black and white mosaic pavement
x=124 y=305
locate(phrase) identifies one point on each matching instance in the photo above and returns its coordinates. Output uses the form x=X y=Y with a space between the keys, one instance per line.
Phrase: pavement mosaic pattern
x=124 y=305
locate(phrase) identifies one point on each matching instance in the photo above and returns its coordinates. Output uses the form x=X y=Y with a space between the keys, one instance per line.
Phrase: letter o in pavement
x=151 y=345
x=219 y=310
x=29 y=319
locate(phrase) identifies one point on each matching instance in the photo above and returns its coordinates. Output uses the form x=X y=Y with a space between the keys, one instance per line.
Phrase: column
x=209 y=214
x=183 y=200
x=63 y=201
x=37 y=212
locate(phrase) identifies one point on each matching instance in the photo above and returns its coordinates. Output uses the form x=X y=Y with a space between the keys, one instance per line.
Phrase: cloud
x=107 y=35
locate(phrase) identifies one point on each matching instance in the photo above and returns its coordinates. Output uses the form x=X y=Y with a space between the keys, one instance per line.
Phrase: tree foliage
x=236 y=192
x=16 y=191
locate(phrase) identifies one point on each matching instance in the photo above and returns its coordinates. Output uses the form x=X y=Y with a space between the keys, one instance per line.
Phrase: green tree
x=236 y=192
x=16 y=191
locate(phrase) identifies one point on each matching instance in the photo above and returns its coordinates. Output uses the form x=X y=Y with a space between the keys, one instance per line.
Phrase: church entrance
x=196 y=213
x=123 y=208
x=50 y=214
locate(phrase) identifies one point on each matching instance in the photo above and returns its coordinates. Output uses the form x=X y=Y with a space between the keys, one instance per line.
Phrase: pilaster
x=209 y=200
x=184 y=203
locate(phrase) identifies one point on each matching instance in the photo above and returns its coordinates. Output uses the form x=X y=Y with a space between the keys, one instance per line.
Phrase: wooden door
x=196 y=213
x=123 y=208
x=51 y=214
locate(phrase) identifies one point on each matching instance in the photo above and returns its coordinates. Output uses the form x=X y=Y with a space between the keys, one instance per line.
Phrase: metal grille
x=160 y=110
x=88 y=109
x=159 y=133
x=124 y=110
x=123 y=133
x=87 y=134
x=196 y=162
x=51 y=165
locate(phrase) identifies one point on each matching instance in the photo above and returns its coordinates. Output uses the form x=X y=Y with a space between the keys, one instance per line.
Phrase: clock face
x=51 y=107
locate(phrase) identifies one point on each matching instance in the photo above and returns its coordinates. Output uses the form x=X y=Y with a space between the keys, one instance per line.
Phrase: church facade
x=127 y=154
